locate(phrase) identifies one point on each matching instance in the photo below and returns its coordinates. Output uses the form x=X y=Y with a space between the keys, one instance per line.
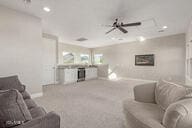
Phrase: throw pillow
x=167 y=93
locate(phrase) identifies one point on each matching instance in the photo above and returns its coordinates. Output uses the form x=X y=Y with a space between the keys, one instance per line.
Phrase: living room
x=111 y=64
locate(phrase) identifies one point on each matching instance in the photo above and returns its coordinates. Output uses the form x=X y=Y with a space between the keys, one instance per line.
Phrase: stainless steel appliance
x=81 y=74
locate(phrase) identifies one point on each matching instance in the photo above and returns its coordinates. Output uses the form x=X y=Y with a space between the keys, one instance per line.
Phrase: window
x=98 y=58
x=84 y=58
x=68 y=58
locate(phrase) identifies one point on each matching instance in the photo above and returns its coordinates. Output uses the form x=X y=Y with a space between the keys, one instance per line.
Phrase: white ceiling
x=73 y=19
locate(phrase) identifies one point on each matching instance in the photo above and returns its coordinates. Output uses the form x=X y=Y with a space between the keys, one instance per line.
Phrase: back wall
x=169 y=58
x=73 y=49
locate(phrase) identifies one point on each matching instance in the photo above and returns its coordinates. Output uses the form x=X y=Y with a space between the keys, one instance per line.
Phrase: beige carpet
x=89 y=104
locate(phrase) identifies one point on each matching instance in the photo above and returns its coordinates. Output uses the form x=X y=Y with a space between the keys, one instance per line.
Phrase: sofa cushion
x=30 y=103
x=179 y=115
x=11 y=82
x=147 y=96
x=12 y=108
x=37 y=112
x=143 y=115
x=167 y=93
x=25 y=95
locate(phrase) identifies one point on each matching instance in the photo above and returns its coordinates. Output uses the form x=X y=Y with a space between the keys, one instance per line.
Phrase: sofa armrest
x=145 y=92
x=179 y=114
x=50 y=120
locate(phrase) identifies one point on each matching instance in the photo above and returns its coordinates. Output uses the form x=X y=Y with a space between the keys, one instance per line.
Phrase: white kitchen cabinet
x=70 y=75
x=90 y=73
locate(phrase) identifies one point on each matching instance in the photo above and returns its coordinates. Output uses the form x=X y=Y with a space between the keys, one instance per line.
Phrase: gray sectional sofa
x=159 y=105
x=18 y=110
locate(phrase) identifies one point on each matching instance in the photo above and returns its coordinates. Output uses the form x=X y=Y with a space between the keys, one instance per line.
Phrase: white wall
x=73 y=49
x=21 y=48
x=169 y=58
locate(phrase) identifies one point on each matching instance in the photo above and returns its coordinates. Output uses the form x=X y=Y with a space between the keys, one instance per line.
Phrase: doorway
x=49 y=60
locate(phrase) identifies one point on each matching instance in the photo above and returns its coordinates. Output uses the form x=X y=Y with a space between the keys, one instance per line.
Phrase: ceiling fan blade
x=131 y=24
x=106 y=25
x=122 y=29
x=110 y=30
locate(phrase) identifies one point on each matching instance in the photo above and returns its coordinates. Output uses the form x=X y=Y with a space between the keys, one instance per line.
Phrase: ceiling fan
x=27 y=1
x=120 y=26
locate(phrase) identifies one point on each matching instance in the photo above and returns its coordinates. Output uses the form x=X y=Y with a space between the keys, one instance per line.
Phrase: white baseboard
x=129 y=78
x=36 y=95
x=103 y=78
x=126 y=78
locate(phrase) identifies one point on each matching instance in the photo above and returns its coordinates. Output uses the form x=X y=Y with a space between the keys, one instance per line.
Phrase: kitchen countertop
x=75 y=66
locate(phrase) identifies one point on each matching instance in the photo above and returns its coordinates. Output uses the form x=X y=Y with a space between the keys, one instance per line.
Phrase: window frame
x=87 y=55
x=101 y=58
x=65 y=52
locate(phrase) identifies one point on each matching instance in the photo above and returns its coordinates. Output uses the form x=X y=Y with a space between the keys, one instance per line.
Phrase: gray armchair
x=39 y=118
x=49 y=120
x=144 y=112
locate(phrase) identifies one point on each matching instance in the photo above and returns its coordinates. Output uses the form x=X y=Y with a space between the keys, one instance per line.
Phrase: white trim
x=36 y=95
x=127 y=78
x=103 y=78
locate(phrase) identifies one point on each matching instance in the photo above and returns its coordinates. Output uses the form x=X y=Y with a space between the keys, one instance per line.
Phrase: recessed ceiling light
x=165 y=27
x=113 y=38
x=47 y=9
x=141 y=39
